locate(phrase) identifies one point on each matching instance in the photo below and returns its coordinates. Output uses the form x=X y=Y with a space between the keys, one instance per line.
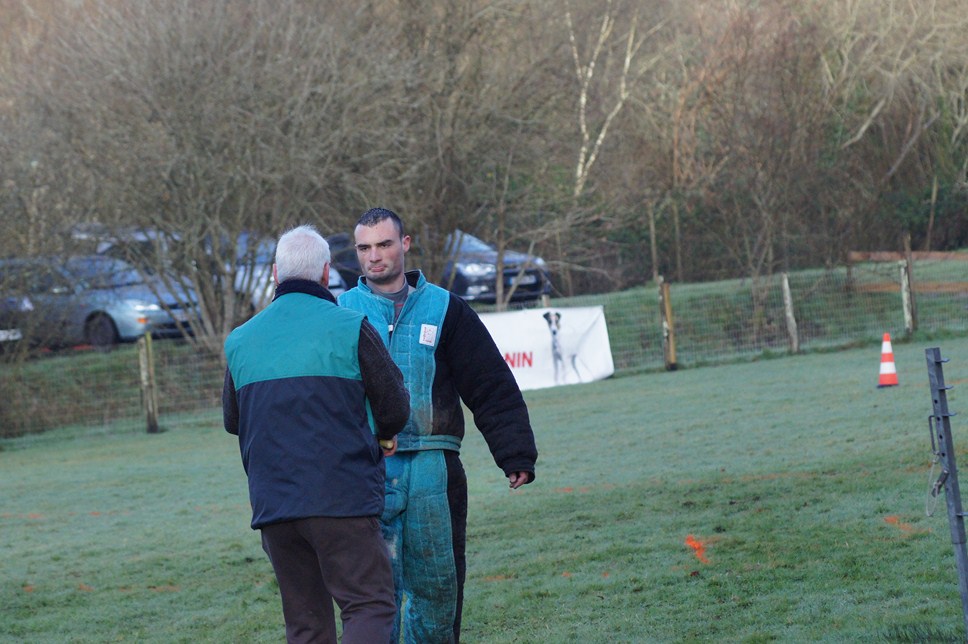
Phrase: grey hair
x=301 y=253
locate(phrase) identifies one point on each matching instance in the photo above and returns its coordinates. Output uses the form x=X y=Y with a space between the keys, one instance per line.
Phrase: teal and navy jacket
x=447 y=355
x=301 y=401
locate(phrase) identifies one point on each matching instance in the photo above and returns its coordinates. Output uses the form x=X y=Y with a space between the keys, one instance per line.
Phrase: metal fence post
x=943 y=446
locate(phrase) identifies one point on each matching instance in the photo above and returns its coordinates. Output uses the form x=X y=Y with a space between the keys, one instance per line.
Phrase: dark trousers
x=320 y=559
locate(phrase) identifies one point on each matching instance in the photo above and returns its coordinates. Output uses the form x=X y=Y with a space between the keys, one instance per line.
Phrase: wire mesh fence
x=83 y=386
x=712 y=323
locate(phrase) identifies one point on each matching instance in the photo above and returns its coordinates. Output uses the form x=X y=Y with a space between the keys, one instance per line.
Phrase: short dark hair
x=373 y=216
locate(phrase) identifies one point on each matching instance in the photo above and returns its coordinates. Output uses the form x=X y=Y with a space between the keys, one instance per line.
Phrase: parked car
x=91 y=299
x=253 y=274
x=343 y=258
x=472 y=274
x=146 y=248
x=153 y=250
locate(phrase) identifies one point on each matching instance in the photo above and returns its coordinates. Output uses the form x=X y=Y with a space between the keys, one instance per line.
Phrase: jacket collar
x=308 y=287
x=415 y=278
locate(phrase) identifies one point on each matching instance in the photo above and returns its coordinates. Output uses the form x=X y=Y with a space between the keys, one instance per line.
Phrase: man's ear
x=325 y=281
x=406 y=243
x=275 y=275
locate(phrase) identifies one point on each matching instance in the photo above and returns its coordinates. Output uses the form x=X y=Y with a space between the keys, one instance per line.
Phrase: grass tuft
x=921 y=634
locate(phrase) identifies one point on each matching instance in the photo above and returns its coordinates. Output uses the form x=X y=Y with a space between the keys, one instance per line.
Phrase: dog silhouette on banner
x=558 y=354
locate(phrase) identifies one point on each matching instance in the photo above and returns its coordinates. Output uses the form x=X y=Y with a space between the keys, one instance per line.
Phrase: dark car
x=95 y=299
x=472 y=274
x=343 y=258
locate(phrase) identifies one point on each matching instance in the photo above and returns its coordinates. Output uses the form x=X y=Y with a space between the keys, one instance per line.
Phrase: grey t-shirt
x=398 y=298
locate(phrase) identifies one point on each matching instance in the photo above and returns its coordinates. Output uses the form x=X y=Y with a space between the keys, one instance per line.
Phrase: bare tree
x=475 y=103
x=606 y=66
x=201 y=121
x=39 y=189
x=568 y=129
x=896 y=76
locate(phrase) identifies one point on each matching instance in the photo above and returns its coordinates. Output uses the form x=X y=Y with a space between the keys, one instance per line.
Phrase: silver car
x=253 y=272
x=96 y=300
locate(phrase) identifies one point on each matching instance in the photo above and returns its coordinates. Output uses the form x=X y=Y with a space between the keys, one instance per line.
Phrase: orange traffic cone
x=888 y=370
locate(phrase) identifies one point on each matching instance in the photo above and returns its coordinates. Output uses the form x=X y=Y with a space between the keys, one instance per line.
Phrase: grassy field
x=800 y=485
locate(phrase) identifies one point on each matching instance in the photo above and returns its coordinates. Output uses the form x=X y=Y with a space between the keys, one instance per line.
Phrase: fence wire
x=713 y=323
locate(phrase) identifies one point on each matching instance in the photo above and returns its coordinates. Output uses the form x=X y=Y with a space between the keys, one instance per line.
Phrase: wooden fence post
x=791 y=320
x=149 y=398
x=668 y=328
x=907 y=299
x=909 y=258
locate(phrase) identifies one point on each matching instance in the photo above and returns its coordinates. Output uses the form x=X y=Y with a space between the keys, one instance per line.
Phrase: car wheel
x=100 y=332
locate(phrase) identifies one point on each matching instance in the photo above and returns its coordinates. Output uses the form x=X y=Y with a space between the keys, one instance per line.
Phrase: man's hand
x=389 y=447
x=517 y=479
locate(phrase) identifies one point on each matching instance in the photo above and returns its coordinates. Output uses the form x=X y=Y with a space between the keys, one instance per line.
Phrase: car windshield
x=104 y=272
x=471 y=244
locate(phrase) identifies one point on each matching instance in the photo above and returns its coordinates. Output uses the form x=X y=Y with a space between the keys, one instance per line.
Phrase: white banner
x=556 y=346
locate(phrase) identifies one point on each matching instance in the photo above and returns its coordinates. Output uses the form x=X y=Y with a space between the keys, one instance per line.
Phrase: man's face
x=380 y=250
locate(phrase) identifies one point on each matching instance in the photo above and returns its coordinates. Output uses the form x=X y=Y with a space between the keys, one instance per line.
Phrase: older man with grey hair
x=313 y=396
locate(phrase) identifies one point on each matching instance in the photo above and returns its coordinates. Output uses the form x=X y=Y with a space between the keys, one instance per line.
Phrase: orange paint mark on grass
x=566 y=574
x=498 y=578
x=565 y=490
x=698 y=547
x=85 y=588
x=605 y=575
x=164 y=589
x=907 y=530
x=896 y=521
x=34 y=515
x=28 y=588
